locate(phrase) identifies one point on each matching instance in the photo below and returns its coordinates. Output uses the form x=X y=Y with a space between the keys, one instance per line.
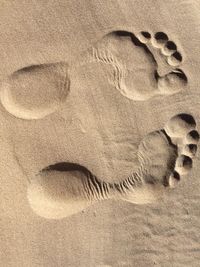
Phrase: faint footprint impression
x=63 y=189
x=35 y=91
x=143 y=65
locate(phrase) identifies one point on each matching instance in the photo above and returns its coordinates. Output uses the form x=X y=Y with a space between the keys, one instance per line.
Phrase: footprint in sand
x=35 y=91
x=63 y=189
x=142 y=66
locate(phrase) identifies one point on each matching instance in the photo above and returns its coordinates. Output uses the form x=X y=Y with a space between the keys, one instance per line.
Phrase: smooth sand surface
x=99 y=114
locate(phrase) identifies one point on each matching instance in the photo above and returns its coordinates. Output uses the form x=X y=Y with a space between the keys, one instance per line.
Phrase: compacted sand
x=99 y=114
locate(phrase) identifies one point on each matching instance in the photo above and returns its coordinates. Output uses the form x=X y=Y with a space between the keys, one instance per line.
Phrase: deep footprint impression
x=63 y=189
x=35 y=91
x=142 y=65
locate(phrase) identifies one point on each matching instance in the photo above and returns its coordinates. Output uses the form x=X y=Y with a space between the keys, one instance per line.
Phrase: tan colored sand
x=95 y=104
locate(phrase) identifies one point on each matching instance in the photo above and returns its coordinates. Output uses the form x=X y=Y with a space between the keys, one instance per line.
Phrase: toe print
x=180 y=125
x=65 y=188
x=175 y=59
x=143 y=65
x=36 y=91
x=169 y=48
x=144 y=37
x=192 y=137
x=160 y=39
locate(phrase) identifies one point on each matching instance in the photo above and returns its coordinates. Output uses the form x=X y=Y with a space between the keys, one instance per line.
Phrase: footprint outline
x=146 y=185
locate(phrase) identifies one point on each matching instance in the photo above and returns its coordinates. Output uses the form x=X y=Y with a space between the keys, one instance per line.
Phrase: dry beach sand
x=99 y=114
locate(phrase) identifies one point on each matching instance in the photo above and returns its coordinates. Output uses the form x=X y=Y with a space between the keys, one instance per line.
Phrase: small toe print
x=175 y=59
x=160 y=39
x=161 y=36
x=144 y=37
x=190 y=150
x=192 y=137
x=174 y=179
x=169 y=48
x=183 y=164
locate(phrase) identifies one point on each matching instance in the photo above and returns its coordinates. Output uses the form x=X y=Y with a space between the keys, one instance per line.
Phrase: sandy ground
x=91 y=100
